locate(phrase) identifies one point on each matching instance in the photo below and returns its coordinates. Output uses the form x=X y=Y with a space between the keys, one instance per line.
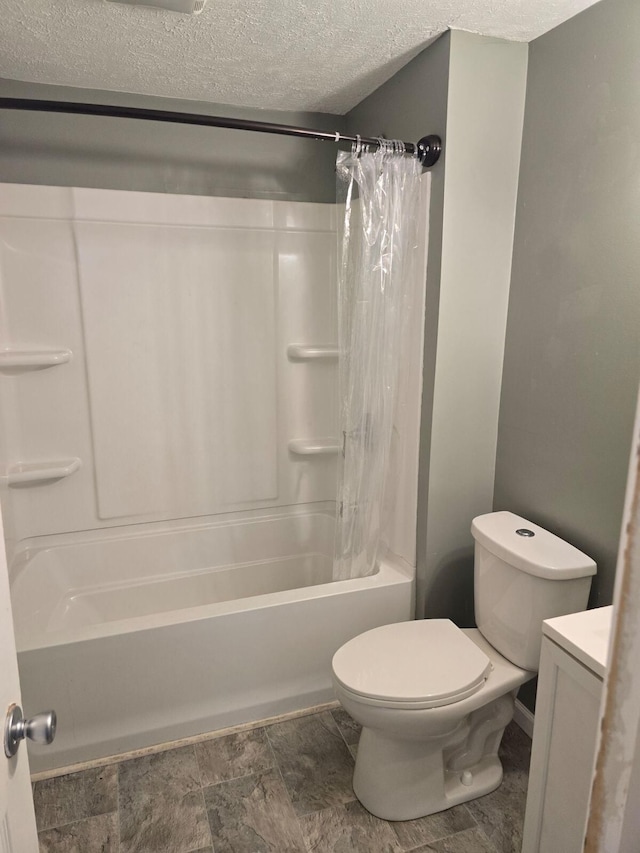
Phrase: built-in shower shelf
x=42 y=472
x=309 y=352
x=15 y=359
x=315 y=446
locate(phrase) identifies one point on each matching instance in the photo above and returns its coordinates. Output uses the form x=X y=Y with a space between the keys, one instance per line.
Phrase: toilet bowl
x=433 y=699
x=423 y=754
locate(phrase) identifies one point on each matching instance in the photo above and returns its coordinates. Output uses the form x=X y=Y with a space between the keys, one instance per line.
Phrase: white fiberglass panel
x=42 y=410
x=76 y=586
x=178 y=396
x=136 y=599
x=180 y=337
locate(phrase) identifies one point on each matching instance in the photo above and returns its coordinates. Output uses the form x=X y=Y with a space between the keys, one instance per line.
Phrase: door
x=17 y=818
x=613 y=825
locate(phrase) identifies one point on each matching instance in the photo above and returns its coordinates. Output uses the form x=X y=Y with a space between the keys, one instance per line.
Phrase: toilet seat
x=427 y=663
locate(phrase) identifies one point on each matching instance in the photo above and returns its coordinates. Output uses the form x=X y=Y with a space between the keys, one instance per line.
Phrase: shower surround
x=168 y=395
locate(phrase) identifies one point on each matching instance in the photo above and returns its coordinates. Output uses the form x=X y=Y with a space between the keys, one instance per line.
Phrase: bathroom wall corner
x=485 y=114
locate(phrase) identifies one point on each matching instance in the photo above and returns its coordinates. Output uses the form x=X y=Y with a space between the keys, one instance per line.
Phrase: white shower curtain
x=380 y=191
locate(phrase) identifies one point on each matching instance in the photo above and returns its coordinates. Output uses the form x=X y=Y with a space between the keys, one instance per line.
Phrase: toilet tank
x=523 y=575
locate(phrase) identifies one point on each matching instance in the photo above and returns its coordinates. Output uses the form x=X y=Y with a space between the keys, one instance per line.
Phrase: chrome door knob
x=40 y=729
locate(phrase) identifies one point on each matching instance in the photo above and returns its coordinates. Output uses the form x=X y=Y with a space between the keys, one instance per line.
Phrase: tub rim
x=390 y=570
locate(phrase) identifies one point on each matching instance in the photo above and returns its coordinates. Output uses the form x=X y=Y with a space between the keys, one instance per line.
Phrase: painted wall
x=122 y=154
x=572 y=358
x=470 y=90
x=487 y=81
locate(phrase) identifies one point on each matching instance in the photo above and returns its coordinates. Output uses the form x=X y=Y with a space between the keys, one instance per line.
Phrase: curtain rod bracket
x=429 y=149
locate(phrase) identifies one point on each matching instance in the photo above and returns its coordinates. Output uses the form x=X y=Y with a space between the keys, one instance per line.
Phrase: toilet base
x=397 y=779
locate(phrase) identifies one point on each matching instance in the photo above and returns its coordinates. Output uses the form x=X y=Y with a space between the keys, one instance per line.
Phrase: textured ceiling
x=321 y=55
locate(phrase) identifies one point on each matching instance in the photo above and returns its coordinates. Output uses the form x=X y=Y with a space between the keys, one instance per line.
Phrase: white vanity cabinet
x=572 y=668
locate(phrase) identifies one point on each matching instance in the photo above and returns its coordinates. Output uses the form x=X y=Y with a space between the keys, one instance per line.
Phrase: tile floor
x=283 y=788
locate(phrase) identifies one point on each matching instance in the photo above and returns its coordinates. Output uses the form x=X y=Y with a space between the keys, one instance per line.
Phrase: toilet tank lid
x=542 y=554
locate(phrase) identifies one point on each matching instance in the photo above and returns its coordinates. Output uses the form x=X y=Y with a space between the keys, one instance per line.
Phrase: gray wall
x=572 y=358
x=87 y=151
x=487 y=85
x=410 y=105
x=469 y=90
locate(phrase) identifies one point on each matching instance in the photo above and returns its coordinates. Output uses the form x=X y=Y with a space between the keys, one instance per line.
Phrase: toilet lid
x=429 y=661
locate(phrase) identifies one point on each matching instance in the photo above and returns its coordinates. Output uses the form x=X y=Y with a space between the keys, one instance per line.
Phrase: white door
x=17 y=818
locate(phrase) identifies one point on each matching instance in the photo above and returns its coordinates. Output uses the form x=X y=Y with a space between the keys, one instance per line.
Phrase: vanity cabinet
x=572 y=668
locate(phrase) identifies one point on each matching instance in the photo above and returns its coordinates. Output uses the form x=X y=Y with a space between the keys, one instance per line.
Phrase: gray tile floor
x=285 y=788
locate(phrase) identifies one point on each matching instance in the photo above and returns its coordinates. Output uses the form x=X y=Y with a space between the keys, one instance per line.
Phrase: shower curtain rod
x=427 y=149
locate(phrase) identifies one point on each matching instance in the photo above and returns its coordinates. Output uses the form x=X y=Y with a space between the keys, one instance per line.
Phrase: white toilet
x=433 y=699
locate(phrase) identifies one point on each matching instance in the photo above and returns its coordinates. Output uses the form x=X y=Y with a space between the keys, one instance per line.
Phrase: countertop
x=584 y=635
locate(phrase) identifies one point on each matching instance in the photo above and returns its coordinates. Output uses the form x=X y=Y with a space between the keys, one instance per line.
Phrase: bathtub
x=166 y=631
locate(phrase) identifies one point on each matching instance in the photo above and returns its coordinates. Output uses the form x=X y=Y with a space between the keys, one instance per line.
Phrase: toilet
x=433 y=699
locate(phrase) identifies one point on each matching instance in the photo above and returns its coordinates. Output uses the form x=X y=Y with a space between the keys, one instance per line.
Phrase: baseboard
x=523 y=717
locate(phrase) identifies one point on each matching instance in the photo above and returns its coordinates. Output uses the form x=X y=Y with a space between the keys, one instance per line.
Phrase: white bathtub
x=167 y=631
